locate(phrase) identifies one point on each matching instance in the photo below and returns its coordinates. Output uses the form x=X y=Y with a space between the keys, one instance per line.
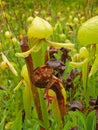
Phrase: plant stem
x=30 y=67
x=85 y=76
x=96 y=107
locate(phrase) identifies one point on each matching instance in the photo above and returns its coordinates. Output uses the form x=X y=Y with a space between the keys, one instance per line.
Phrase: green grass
x=65 y=17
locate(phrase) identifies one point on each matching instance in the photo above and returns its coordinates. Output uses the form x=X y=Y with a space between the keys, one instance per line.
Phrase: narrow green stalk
x=44 y=110
x=85 y=76
x=56 y=111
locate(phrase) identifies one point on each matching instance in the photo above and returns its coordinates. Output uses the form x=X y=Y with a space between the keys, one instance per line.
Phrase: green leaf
x=39 y=122
x=78 y=64
x=35 y=48
x=25 y=75
x=3 y=121
x=73 y=118
x=36 y=127
x=44 y=110
x=39 y=55
x=84 y=76
x=39 y=28
x=33 y=124
x=17 y=123
x=94 y=68
x=67 y=125
x=59 y=45
x=54 y=125
x=82 y=118
x=91 y=91
x=27 y=100
x=70 y=120
x=87 y=33
x=91 y=120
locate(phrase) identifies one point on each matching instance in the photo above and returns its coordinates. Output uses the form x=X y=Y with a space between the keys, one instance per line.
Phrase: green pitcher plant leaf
x=78 y=64
x=81 y=59
x=17 y=123
x=39 y=28
x=2 y=123
x=27 y=93
x=59 y=45
x=24 y=74
x=88 y=32
x=35 y=48
x=27 y=100
x=94 y=68
x=91 y=120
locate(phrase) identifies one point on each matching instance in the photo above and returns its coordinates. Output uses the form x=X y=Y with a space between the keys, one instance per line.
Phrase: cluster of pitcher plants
x=49 y=84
